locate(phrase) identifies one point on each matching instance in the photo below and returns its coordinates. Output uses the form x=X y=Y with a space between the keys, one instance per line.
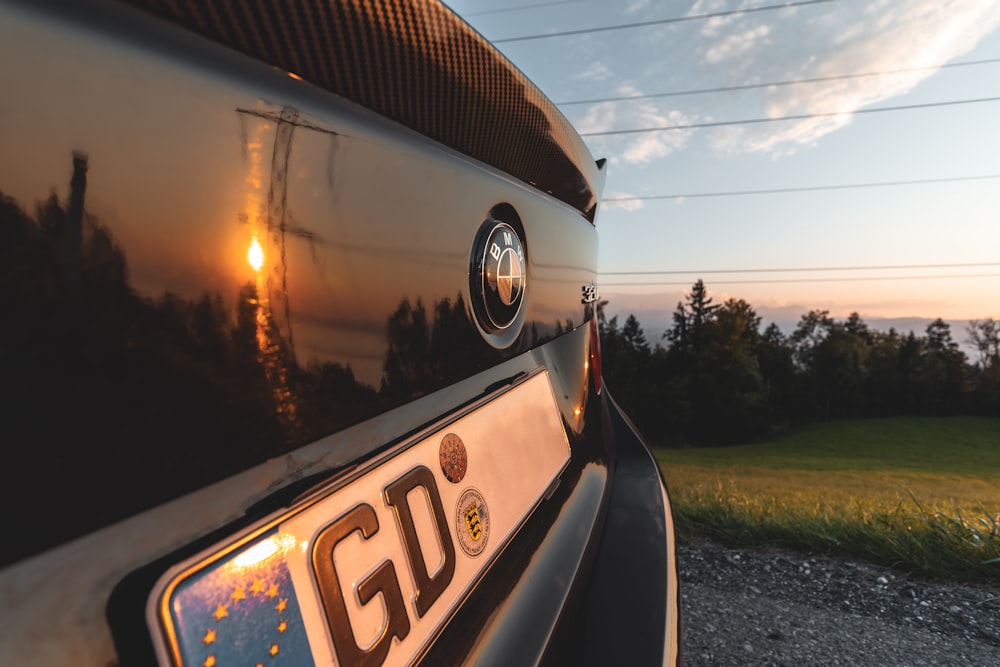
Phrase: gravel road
x=770 y=607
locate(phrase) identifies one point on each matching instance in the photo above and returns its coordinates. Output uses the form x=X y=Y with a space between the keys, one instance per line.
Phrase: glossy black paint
x=171 y=352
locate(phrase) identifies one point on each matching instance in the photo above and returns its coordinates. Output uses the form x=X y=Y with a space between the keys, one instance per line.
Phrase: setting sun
x=255 y=255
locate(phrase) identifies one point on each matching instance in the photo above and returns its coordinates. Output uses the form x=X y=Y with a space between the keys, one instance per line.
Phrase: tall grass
x=921 y=495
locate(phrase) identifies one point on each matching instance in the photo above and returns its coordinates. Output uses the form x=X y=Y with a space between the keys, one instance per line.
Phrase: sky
x=889 y=172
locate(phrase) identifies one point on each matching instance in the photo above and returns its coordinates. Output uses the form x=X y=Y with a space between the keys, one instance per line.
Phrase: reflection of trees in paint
x=425 y=355
x=428 y=354
x=120 y=401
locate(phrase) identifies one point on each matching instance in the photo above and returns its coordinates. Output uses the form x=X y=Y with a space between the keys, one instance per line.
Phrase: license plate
x=368 y=572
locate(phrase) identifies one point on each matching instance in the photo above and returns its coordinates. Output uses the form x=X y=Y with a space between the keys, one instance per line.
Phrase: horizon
x=654 y=317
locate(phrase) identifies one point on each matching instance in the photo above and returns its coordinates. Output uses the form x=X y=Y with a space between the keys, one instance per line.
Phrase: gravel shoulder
x=773 y=607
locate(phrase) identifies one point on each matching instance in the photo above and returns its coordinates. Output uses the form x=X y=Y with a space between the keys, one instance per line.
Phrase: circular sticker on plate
x=472 y=522
x=453 y=457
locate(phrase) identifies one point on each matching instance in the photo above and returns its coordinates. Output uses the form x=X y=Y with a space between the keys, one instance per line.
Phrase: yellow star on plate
x=238 y=594
x=282 y=626
x=282 y=605
x=209 y=637
x=272 y=592
x=274 y=649
x=258 y=586
x=209 y=661
x=221 y=612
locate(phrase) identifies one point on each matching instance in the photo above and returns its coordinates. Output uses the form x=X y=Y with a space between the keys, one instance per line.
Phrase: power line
x=749 y=121
x=802 y=280
x=678 y=19
x=520 y=8
x=791 y=82
x=808 y=188
x=964 y=265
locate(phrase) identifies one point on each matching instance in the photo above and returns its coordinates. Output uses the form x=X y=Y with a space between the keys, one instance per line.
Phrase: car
x=300 y=349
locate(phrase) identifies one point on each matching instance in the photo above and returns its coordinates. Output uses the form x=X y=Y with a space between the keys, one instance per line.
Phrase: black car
x=300 y=353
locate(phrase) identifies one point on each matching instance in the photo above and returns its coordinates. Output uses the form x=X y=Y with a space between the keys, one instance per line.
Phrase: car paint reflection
x=176 y=354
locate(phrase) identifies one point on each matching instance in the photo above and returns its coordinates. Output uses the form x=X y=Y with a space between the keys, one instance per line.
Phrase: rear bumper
x=594 y=581
x=633 y=602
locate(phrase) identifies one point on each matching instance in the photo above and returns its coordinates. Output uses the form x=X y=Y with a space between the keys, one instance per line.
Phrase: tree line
x=718 y=377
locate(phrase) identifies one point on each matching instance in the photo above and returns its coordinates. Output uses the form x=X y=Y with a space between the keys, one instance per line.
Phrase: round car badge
x=453 y=457
x=472 y=522
x=499 y=278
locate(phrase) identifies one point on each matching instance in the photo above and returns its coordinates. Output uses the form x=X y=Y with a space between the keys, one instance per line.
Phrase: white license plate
x=370 y=571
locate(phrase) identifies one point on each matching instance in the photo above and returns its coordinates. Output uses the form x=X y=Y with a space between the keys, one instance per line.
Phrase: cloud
x=708 y=7
x=596 y=72
x=737 y=44
x=598 y=118
x=608 y=201
x=649 y=146
x=716 y=25
x=639 y=148
x=894 y=35
x=637 y=5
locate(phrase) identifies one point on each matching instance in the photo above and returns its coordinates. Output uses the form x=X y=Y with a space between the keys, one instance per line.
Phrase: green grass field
x=919 y=494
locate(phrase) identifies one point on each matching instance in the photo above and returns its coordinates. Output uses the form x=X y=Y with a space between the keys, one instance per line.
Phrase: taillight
x=595 y=355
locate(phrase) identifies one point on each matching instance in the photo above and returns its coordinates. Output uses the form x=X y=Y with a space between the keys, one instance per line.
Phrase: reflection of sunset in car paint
x=254 y=200
x=323 y=175
x=255 y=254
x=337 y=319
x=274 y=352
x=275 y=357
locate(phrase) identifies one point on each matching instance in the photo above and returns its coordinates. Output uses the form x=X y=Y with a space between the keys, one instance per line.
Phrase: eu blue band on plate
x=242 y=610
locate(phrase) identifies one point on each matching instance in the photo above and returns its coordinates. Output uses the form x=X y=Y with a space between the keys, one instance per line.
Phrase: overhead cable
x=770 y=84
x=519 y=8
x=807 y=188
x=801 y=269
x=677 y=19
x=802 y=280
x=821 y=114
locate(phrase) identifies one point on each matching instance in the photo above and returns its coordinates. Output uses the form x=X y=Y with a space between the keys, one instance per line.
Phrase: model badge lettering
x=384 y=580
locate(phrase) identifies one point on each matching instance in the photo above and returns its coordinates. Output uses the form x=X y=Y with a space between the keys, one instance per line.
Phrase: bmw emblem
x=498 y=280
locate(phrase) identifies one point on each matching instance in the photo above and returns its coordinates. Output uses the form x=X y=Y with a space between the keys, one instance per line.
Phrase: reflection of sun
x=255 y=255
x=260 y=552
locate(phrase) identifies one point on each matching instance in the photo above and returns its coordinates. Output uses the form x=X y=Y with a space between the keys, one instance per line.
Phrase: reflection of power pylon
x=278 y=218
x=277 y=202
x=274 y=338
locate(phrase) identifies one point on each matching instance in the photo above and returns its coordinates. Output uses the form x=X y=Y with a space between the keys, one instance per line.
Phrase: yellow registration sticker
x=369 y=572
